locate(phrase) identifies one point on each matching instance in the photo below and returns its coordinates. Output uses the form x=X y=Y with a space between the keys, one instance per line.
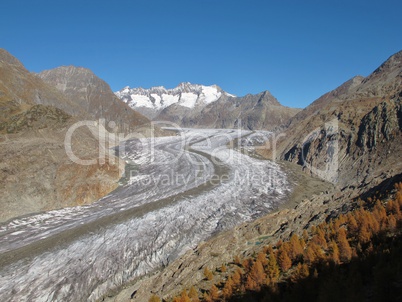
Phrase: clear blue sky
x=297 y=49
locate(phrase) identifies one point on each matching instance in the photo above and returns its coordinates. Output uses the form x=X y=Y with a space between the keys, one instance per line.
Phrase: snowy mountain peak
x=158 y=98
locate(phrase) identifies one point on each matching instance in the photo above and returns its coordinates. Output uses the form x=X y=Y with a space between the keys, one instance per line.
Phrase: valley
x=184 y=189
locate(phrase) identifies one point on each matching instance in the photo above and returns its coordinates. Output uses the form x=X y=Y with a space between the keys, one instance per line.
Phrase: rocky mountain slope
x=259 y=111
x=20 y=89
x=191 y=105
x=92 y=96
x=36 y=173
x=352 y=135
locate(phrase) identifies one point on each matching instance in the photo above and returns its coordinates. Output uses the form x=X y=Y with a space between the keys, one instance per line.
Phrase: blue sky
x=298 y=50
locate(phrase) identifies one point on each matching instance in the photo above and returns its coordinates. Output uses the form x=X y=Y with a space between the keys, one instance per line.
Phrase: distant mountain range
x=193 y=105
x=152 y=101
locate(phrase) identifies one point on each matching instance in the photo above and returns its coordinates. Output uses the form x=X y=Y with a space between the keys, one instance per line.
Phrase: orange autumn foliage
x=326 y=245
x=285 y=263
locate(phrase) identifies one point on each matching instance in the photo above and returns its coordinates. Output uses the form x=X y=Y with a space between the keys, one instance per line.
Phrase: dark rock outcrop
x=382 y=124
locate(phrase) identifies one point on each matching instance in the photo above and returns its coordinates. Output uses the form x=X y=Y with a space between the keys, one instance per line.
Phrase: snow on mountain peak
x=157 y=98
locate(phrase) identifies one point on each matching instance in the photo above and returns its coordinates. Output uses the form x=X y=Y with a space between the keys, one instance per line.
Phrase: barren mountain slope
x=36 y=173
x=20 y=89
x=357 y=127
x=260 y=111
x=93 y=96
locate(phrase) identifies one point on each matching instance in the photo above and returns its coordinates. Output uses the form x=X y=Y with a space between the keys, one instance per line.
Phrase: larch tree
x=394 y=208
x=334 y=255
x=345 y=251
x=295 y=250
x=207 y=297
x=208 y=274
x=184 y=297
x=305 y=235
x=247 y=263
x=262 y=258
x=301 y=272
x=237 y=260
x=236 y=278
x=313 y=253
x=332 y=230
x=391 y=222
x=272 y=268
x=193 y=294
x=257 y=274
x=214 y=293
x=227 y=290
x=154 y=298
x=398 y=195
x=390 y=207
x=319 y=238
x=380 y=214
x=302 y=244
x=364 y=233
x=284 y=260
x=251 y=284
x=352 y=224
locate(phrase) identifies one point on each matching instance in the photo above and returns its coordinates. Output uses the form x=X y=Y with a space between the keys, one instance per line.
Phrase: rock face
x=92 y=96
x=382 y=124
x=191 y=105
x=352 y=134
x=36 y=173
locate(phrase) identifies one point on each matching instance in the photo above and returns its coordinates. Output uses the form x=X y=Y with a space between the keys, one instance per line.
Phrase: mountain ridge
x=195 y=105
x=93 y=96
x=154 y=100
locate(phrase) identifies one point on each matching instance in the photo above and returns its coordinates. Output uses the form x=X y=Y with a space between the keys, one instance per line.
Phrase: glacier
x=179 y=191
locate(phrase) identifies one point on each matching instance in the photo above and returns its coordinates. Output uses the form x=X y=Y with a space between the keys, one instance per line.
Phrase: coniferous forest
x=356 y=256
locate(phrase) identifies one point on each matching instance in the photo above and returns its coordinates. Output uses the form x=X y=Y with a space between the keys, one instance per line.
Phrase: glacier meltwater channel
x=181 y=189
